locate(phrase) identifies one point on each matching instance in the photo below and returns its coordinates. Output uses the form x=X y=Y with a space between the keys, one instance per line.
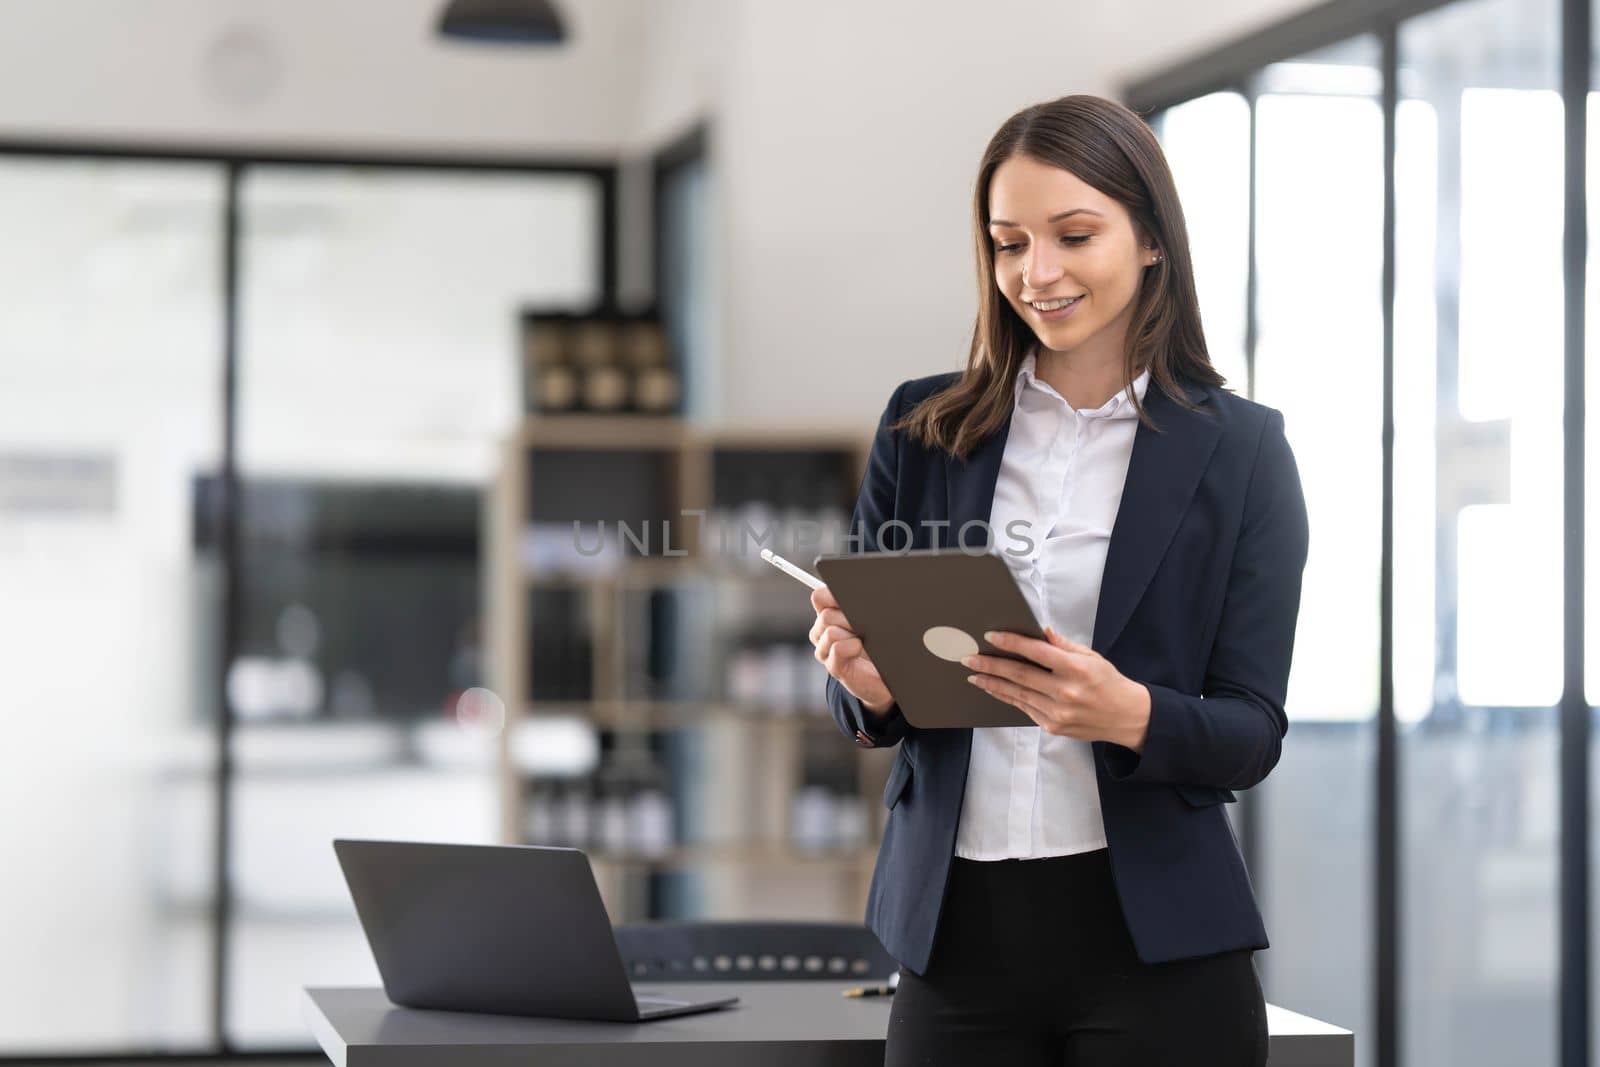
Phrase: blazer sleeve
x=1232 y=734
x=874 y=507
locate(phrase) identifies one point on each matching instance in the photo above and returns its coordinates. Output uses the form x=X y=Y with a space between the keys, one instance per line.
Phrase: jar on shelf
x=795 y=537
x=610 y=830
x=755 y=524
x=746 y=680
x=604 y=389
x=644 y=344
x=546 y=341
x=812 y=817
x=831 y=517
x=851 y=821
x=808 y=678
x=546 y=363
x=573 y=814
x=538 y=822
x=595 y=343
x=656 y=390
x=650 y=812
x=779 y=693
x=556 y=389
x=718 y=537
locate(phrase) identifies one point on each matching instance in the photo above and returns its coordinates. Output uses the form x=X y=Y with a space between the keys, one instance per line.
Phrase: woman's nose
x=1038 y=273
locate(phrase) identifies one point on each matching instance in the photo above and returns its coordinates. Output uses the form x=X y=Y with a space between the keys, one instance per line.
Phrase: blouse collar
x=1118 y=407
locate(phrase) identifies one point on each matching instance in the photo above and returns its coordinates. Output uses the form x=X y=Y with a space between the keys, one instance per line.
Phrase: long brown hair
x=1108 y=146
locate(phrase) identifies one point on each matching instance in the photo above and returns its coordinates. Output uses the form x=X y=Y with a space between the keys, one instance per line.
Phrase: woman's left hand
x=1081 y=695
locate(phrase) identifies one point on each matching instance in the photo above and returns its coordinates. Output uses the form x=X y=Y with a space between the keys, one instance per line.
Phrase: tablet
x=918 y=613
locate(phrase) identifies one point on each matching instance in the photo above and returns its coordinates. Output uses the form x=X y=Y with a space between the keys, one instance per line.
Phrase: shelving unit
x=661 y=643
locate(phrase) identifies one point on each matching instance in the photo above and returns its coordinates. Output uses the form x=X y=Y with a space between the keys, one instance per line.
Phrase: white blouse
x=1031 y=794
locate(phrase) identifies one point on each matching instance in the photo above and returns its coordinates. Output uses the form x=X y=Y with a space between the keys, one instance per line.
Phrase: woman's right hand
x=841 y=651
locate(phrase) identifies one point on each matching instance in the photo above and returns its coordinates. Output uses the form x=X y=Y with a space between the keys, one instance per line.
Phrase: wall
x=847 y=136
x=345 y=75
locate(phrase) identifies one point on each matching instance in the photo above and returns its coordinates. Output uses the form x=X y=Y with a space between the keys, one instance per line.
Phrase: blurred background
x=320 y=328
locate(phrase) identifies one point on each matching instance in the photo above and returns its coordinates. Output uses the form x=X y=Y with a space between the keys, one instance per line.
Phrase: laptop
x=509 y=929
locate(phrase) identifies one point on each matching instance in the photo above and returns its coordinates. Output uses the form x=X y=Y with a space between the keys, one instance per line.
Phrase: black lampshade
x=517 y=21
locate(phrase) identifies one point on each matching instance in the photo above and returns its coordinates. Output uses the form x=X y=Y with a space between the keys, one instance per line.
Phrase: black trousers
x=1033 y=964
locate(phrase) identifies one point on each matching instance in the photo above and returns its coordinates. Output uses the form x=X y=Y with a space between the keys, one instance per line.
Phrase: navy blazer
x=1198 y=601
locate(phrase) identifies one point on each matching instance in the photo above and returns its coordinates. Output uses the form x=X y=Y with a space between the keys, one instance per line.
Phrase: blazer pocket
x=1203 y=796
x=899 y=778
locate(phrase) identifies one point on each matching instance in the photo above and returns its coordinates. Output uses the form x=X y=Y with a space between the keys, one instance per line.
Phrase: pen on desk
x=791 y=570
x=871 y=991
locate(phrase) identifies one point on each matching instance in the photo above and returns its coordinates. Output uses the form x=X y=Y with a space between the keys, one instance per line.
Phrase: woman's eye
x=1074 y=241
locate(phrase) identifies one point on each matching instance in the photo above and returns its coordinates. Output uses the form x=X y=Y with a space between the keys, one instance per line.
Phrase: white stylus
x=791 y=570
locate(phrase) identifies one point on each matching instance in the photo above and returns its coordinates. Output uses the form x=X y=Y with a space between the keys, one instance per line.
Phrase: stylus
x=791 y=570
x=871 y=991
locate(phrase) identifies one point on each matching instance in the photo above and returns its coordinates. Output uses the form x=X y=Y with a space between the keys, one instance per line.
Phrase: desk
x=775 y=1024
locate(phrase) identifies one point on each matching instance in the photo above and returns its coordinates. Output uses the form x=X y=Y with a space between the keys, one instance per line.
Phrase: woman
x=1072 y=892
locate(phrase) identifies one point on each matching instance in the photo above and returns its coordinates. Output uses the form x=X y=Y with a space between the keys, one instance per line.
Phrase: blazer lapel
x=1164 y=470
x=969 y=488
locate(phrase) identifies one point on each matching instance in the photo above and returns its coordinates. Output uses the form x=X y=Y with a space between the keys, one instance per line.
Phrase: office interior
x=300 y=398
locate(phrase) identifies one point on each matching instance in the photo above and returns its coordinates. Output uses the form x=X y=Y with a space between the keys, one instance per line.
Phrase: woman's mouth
x=1057 y=312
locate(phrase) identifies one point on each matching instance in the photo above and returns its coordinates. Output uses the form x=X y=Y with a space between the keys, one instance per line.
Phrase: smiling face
x=1054 y=237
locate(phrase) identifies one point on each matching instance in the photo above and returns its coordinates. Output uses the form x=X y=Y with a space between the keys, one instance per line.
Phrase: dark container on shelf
x=560 y=653
x=604 y=362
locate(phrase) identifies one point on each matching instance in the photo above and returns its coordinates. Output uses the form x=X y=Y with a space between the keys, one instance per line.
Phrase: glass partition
x=379 y=374
x=1478 y=521
x=110 y=404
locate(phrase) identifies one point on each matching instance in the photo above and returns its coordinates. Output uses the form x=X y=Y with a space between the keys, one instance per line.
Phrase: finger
x=835 y=639
x=822 y=598
x=1025 y=674
x=840 y=655
x=845 y=640
x=1043 y=653
x=1061 y=642
x=1026 y=700
x=827 y=617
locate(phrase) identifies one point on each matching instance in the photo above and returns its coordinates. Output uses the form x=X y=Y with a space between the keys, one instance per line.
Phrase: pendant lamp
x=511 y=21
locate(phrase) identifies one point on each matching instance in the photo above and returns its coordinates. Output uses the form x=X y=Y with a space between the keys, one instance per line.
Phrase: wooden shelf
x=661 y=432
x=756 y=438
x=650 y=572
x=630 y=432
x=686 y=469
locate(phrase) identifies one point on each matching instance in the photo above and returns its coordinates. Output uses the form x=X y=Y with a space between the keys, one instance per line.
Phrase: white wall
x=345 y=74
x=847 y=136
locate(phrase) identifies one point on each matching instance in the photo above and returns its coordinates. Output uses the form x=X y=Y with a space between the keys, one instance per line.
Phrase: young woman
x=1072 y=892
